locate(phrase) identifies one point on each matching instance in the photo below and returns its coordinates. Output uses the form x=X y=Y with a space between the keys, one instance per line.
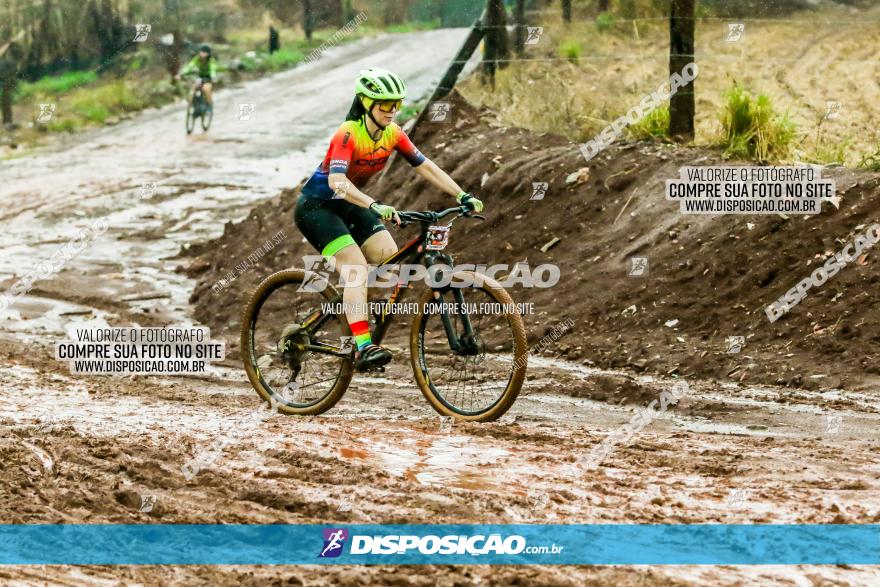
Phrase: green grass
x=570 y=49
x=54 y=85
x=264 y=62
x=408 y=27
x=283 y=58
x=604 y=22
x=825 y=152
x=63 y=125
x=753 y=129
x=95 y=105
x=655 y=125
x=871 y=161
x=407 y=112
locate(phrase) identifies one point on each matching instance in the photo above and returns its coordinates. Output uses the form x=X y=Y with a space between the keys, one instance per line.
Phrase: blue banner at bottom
x=519 y=544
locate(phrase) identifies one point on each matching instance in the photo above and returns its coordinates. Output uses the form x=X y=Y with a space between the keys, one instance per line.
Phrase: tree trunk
x=519 y=16
x=566 y=10
x=602 y=6
x=274 y=40
x=681 y=52
x=308 y=19
x=7 y=86
x=497 y=50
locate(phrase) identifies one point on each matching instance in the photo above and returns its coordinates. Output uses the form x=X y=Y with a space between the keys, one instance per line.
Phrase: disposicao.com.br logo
x=475 y=545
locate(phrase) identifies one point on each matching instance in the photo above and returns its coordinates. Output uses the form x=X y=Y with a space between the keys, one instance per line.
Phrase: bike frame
x=414 y=252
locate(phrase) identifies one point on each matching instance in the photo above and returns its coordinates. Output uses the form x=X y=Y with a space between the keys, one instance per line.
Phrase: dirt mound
x=709 y=278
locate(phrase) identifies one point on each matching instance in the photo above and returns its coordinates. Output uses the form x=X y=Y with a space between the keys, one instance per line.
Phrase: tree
x=566 y=10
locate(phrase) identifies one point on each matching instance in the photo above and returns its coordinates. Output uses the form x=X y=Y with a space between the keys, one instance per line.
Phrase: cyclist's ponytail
x=357 y=110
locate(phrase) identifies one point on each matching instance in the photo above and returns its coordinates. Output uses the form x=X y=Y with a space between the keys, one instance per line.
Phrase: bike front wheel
x=480 y=380
x=207 y=117
x=190 y=117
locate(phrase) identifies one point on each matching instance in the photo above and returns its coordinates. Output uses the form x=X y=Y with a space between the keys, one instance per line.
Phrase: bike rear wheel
x=277 y=321
x=483 y=383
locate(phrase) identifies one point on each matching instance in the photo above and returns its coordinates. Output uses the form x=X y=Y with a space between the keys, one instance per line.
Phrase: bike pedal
x=380 y=369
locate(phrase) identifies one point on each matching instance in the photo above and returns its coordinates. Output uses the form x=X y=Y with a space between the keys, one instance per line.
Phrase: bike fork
x=466 y=344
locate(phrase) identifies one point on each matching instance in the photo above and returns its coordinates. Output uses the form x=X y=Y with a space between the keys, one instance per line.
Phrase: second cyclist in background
x=206 y=66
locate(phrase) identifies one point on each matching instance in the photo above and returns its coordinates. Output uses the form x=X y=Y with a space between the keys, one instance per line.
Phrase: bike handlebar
x=428 y=216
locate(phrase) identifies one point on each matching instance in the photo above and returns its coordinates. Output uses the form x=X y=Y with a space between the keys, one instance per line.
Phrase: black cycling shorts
x=331 y=225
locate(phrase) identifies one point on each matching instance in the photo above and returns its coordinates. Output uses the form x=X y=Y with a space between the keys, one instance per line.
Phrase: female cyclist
x=340 y=220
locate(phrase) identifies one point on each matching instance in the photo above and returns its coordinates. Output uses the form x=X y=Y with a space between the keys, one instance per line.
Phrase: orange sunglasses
x=389 y=105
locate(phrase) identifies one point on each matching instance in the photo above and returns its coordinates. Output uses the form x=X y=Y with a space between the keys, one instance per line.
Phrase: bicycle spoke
x=298 y=377
x=470 y=384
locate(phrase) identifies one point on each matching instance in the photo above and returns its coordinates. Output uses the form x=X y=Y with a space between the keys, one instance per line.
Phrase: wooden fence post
x=308 y=18
x=681 y=52
x=447 y=82
x=519 y=18
x=496 y=52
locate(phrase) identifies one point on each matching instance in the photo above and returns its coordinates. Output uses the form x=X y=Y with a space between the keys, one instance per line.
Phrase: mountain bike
x=198 y=108
x=467 y=342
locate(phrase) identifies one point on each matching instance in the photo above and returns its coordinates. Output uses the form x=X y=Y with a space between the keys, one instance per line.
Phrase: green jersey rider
x=340 y=220
x=206 y=66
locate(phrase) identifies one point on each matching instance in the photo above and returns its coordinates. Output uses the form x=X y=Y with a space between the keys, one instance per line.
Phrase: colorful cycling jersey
x=207 y=68
x=353 y=152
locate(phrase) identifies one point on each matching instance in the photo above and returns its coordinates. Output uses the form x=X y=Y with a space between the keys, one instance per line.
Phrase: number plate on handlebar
x=438 y=238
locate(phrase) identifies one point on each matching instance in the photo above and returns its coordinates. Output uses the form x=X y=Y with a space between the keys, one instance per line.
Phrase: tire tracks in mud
x=124 y=444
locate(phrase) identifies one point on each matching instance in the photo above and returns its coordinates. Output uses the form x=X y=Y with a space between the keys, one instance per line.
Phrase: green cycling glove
x=470 y=201
x=382 y=211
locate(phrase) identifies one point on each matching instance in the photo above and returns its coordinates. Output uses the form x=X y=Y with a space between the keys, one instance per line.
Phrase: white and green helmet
x=380 y=84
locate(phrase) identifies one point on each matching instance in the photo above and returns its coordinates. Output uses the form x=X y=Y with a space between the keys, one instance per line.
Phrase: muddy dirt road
x=113 y=449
